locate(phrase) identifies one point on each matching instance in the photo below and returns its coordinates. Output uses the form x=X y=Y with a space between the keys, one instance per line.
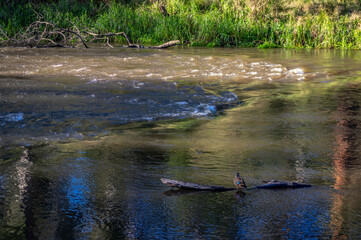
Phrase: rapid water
x=86 y=134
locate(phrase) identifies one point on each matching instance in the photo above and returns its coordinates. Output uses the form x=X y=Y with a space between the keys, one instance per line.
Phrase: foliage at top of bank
x=243 y=23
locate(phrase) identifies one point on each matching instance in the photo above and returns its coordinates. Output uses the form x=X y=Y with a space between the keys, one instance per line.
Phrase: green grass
x=249 y=23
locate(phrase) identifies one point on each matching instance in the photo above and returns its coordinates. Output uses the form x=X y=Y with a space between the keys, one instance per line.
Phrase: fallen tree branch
x=40 y=33
x=166 y=45
x=65 y=30
x=108 y=35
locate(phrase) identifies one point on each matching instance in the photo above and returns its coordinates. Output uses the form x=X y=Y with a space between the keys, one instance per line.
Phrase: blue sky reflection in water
x=78 y=162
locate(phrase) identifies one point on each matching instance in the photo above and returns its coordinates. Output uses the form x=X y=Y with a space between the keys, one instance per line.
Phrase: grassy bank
x=249 y=23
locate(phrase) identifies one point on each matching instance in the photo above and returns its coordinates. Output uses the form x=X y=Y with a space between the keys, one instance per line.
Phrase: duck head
x=239 y=182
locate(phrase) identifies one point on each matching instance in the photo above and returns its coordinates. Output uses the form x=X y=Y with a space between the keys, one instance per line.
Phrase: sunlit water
x=86 y=134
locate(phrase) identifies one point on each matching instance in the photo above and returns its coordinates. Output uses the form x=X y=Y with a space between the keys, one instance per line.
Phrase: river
x=86 y=135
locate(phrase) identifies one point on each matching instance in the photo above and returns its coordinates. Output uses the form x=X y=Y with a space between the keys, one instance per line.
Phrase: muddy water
x=86 y=134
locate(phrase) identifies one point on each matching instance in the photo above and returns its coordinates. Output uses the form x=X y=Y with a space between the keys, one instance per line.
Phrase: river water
x=86 y=135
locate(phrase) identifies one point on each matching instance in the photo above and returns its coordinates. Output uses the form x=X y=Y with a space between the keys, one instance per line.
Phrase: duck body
x=239 y=182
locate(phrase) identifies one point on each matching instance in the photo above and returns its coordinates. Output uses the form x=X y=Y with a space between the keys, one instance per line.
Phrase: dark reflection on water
x=108 y=186
x=115 y=192
x=347 y=161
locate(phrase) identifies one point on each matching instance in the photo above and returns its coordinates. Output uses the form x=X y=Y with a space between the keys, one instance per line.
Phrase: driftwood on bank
x=272 y=184
x=41 y=34
x=164 y=45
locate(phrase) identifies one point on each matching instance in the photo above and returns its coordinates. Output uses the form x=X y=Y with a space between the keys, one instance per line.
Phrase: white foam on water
x=252 y=73
x=276 y=70
x=215 y=74
x=203 y=110
x=167 y=77
x=79 y=70
x=230 y=96
x=153 y=75
x=12 y=117
x=57 y=65
x=127 y=58
x=297 y=71
x=181 y=103
x=137 y=84
x=93 y=81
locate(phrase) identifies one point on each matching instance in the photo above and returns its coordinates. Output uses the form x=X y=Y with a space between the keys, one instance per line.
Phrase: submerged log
x=192 y=186
x=272 y=184
x=283 y=184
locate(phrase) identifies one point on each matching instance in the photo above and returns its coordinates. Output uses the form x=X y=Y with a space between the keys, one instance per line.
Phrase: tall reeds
x=249 y=23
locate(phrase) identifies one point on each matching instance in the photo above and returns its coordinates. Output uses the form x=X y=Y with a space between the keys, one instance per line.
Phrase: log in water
x=272 y=184
x=192 y=186
x=283 y=184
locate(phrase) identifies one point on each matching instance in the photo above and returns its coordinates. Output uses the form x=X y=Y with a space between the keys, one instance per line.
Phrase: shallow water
x=86 y=134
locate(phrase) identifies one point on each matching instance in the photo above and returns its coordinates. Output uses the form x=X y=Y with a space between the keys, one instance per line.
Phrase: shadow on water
x=303 y=125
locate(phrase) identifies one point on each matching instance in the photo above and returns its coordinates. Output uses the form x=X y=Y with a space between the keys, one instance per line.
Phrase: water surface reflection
x=101 y=179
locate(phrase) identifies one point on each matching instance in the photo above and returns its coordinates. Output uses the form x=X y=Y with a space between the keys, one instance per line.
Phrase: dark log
x=272 y=184
x=135 y=46
x=192 y=186
x=282 y=184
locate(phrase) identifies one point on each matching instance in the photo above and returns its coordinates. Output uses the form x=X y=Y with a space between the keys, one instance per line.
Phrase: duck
x=239 y=182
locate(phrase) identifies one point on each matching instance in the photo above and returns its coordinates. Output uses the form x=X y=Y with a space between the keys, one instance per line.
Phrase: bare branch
x=39 y=33
x=78 y=35
x=64 y=30
x=108 y=35
x=47 y=39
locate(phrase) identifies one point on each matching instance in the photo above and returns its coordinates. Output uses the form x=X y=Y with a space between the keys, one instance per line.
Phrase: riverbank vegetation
x=242 y=23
